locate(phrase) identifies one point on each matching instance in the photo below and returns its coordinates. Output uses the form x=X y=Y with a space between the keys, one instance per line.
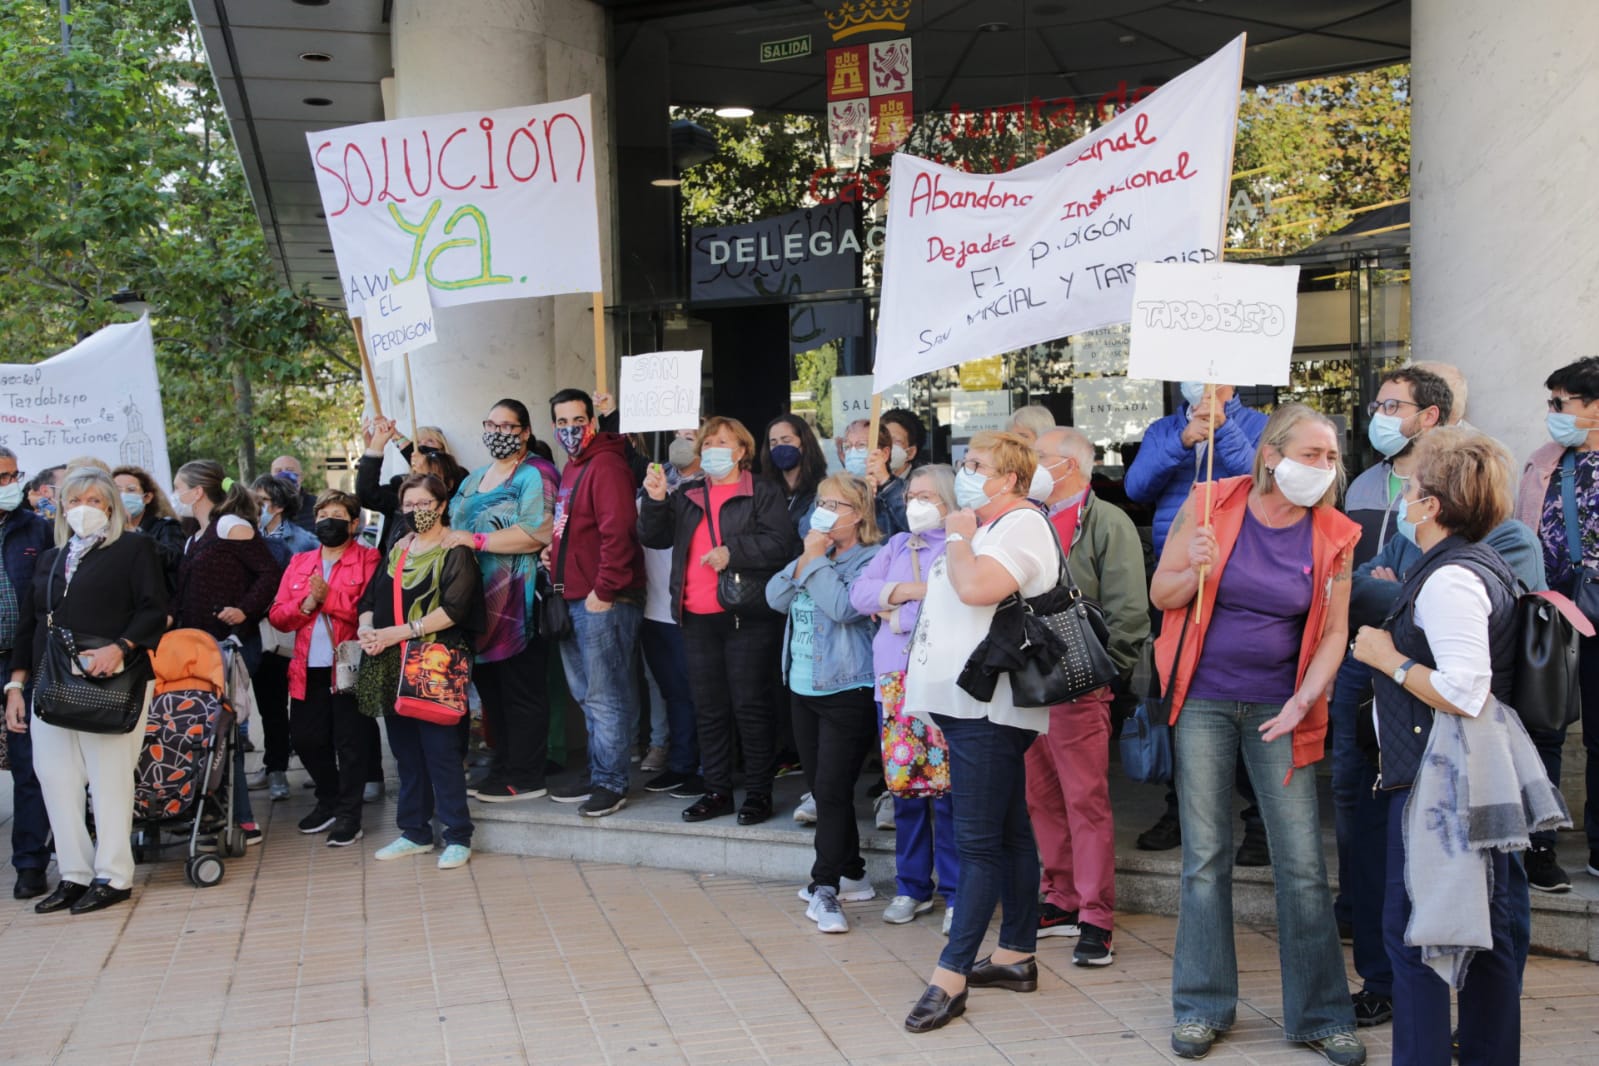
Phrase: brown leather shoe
x=935 y=1010
x=1014 y=976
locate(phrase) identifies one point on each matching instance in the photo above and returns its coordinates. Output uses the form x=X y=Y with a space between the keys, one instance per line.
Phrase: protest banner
x=660 y=391
x=100 y=397
x=979 y=264
x=399 y=321
x=1224 y=323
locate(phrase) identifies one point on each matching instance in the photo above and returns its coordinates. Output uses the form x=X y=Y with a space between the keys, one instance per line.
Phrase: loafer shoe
x=935 y=1010
x=30 y=883
x=756 y=809
x=99 y=896
x=66 y=894
x=1012 y=976
x=710 y=805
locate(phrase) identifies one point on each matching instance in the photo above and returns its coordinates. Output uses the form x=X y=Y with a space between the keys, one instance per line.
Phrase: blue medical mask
x=855 y=461
x=1563 y=428
x=823 y=521
x=1193 y=392
x=969 y=490
x=717 y=462
x=1386 y=436
x=786 y=456
x=1402 y=522
x=133 y=503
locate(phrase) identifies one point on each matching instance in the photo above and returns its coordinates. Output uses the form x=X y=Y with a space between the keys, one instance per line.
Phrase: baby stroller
x=185 y=779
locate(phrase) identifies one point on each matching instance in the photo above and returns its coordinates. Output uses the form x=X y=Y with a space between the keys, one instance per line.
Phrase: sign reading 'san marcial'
x=483 y=205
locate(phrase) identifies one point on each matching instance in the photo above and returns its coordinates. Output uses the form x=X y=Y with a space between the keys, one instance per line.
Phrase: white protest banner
x=977 y=264
x=398 y=321
x=660 y=391
x=486 y=205
x=1228 y=323
x=99 y=398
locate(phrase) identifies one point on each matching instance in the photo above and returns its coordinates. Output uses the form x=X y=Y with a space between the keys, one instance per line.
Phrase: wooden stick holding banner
x=874 y=423
x=410 y=392
x=599 y=342
x=366 y=366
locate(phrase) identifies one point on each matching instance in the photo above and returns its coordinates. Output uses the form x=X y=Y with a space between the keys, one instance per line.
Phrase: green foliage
x=118 y=172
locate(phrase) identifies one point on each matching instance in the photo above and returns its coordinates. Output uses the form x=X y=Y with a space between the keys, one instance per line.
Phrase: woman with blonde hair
x=827 y=663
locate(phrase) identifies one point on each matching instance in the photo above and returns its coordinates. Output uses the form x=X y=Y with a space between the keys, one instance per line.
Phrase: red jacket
x=346 y=583
x=599 y=523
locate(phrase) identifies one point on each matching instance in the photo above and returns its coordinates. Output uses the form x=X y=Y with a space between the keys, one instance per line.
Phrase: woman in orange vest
x=1252 y=669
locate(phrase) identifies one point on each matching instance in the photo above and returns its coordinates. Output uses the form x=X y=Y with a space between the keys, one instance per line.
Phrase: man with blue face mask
x=1409 y=402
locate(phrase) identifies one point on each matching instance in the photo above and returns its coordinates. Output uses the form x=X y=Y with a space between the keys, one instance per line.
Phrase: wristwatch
x=1399 y=672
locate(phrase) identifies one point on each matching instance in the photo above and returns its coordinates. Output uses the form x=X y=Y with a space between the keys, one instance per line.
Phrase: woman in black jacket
x=149 y=513
x=731 y=521
x=427 y=455
x=791 y=459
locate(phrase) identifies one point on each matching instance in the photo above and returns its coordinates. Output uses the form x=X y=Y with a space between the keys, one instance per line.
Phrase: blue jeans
x=994 y=836
x=1490 y=999
x=924 y=841
x=30 y=822
x=1361 y=824
x=668 y=663
x=1209 y=736
x=428 y=758
x=598 y=660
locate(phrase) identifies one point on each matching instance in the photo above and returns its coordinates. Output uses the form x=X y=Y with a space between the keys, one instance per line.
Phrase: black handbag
x=1585 y=582
x=740 y=592
x=67 y=698
x=1547 y=694
x=1063 y=644
x=554 y=617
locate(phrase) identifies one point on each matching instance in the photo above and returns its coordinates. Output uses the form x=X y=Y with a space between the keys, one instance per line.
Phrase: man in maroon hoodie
x=598 y=566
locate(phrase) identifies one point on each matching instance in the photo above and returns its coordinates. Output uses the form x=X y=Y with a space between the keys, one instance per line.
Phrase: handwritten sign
x=660 y=391
x=1116 y=410
x=979 y=264
x=399 y=321
x=1230 y=323
x=485 y=205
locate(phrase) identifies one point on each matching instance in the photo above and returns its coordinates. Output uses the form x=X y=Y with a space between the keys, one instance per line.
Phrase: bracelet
x=15 y=686
x=479 y=541
x=416 y=628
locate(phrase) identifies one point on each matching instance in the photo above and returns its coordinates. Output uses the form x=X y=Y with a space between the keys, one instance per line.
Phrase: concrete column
x=1505 y=270
x=469 y=54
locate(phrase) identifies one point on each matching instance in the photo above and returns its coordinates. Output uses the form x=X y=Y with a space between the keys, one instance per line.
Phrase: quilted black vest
x=1404 y=722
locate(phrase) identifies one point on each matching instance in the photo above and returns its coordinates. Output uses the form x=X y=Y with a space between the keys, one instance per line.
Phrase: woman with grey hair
x=110 y=593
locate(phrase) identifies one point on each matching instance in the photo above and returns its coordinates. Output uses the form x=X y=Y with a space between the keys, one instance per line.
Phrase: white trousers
x=66 y=760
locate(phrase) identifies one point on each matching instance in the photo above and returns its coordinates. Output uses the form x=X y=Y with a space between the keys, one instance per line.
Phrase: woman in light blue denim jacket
x=827 y=663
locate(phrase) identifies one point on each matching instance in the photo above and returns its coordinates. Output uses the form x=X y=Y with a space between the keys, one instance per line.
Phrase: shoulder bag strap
x=710 y=518
x=399 y=576
x=560 y=556
x=1568 y=505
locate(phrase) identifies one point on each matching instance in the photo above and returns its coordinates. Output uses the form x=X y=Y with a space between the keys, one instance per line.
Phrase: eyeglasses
x=925 y=497
x=972 y=466
x=500 y=427
x=1557 y=404
x=1388 y=407
x=12 y=479
x=834 y=505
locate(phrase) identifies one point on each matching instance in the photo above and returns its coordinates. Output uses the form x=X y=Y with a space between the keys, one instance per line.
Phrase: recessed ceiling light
x=316 y=57
x=317 y=101
x=1126 y=38
x=733 y=112
x=666 y=183
x=993 y=27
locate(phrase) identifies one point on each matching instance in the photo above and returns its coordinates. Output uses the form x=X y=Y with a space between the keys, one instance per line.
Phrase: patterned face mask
x=502 y=445
x=423 y=520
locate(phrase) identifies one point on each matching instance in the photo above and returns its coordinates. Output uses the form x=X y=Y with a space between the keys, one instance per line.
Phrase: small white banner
x=660 y=392
x=1227 y=323
x=399 y=321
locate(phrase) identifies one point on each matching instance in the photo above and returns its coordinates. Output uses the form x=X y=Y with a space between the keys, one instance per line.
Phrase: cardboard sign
x=660 y=391
x=979 y=264
x=1228 y=323
x=399 y=321
x=485 y=205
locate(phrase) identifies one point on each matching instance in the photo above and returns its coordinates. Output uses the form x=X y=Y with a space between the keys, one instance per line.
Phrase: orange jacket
x=1333 y=538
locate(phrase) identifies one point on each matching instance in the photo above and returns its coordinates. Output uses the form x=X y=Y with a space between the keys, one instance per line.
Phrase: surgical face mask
x=422 y=519
x=897 y=458
x=1043 y=484
x=855 y=461
x=332 y=532
x=180 y=507
x=289 y=474
x=681 y=453
x=11 y=496
x=969 y=489
x=785 y=457
x=46 y=507
x=823 y=520
x=267 y=514
x=1386 y=436
x=86 y=521
x=502 y=445
x=717 y=462
x=1302 y=484
x=132 y=502
x=573 y=438
x=921 y=515
x=1402 y=522
x=1193 y=392
x=1563 y=428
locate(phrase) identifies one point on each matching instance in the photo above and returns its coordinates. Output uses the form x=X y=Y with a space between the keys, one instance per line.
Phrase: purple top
x=1251 y=649
x=891 y=648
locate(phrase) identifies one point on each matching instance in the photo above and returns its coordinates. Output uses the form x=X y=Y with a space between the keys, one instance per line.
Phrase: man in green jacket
x=1068 y=794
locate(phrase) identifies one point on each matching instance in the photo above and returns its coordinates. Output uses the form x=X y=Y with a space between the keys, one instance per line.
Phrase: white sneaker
x=849 y=889
x=805 y=813
x=903 y=909
x=825 y=911
x=949 y=919
x=884 y=806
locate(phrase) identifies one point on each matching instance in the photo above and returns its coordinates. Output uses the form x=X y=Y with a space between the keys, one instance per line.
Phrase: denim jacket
x=843 y=637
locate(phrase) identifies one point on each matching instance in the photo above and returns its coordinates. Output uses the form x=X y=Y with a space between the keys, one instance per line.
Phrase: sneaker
x=805 y=813
x=788 y=765
x=1341 y=1049
x=665 y=782
x=252 y=834
x=1544 y=873
x=692 y=788
x=883 y=805
x=1371 y=1009
x=1162 y=836
x=1093 y=948
x=400 y=848
x=318 y=821
x=1053 y=921
x=500 y=792
x=343 y=836
x=1192 y=1040
x=850 y=889
x=578 y=793
x=904 y=909
x=257 y=781
x=1593 y=864
x=278 y=785
x=373 y=791
x=654 y=760
x=949 y=919
x=455 y=856
x=602 y=801
x=1254 y=850
x=825 y=911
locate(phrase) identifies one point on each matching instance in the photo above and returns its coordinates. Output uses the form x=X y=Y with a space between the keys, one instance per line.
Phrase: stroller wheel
x=203 y=871
x=233 y=843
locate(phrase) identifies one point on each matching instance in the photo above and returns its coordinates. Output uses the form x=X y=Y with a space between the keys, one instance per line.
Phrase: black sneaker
x=666 y=781
x=1093 y=947
x=252 y=834
x=500 y=792
x=485 y=780
x=578 y=793
x=318 y=821
x=693 y=787
x=1163 y=835
x=1544 y=873
x=343 y=836
x=1593 y=863
x=1052 y=921
x=1372 y=1009
x=600 y=802
x=1253 y=851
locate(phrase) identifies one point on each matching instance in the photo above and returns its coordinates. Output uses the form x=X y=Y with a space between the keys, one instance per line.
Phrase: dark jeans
x=834 y=734
x=428 y=758
x=271 y=683
x=30 y=822
x=731 y=666
x=668 y=662
x=1490 y=999
x=333 y=739
x=1360 y=822
x=1550 y=743
x=516 y=713
x=994 y=836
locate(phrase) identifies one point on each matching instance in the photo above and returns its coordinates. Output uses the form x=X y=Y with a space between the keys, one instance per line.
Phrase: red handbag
x=433 y=676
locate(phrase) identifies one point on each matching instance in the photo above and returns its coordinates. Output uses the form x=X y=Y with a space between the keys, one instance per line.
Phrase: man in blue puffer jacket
x=1172 y=455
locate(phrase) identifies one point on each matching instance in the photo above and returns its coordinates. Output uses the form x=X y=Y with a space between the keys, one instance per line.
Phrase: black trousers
x=732 y=667
x=834 y=734
x=516 y=711
x=332 y=738
x=271 y=683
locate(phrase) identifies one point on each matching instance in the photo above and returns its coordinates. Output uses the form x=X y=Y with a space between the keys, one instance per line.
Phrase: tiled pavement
x=306 y=953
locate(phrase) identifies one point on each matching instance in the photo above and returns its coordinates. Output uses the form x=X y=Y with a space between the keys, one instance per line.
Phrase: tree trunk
x=244 y=408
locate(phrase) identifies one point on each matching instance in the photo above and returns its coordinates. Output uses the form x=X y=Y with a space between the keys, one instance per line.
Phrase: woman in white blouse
x=996 y=544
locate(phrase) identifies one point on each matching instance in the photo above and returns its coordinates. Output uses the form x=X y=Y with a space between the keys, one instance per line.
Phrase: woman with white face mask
x=1251 y=674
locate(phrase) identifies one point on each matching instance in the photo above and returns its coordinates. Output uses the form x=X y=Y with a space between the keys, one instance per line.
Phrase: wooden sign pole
x=599 y=342
x=410 y=392
x=874 y=423
x=366 y=366
x=1210 y=492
